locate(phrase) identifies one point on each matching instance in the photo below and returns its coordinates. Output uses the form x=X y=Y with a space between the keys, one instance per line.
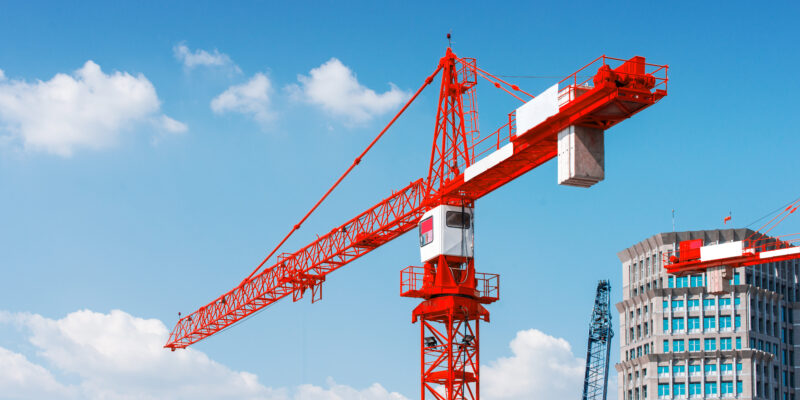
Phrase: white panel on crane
x=443 y=230
x=779 y=252
x=581 y=156
x=489 y=161
x=722 y=250
x=540 y=108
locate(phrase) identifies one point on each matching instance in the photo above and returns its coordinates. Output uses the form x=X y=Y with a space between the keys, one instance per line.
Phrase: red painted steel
x=449 y=321
x=306 y=268
x=758 y=248
x=620 y=89
x=755 y=252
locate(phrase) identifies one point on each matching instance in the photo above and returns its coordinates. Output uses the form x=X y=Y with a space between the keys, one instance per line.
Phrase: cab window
x=457 y=219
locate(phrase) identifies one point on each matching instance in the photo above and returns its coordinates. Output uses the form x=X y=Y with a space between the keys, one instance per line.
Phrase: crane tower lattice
x=599 y=348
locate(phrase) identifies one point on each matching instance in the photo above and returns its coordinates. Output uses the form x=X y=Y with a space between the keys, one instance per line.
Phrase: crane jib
x=601 y=102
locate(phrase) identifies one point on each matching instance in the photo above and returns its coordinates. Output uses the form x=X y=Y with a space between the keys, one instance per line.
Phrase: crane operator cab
x=446 y=240
x=446 y=230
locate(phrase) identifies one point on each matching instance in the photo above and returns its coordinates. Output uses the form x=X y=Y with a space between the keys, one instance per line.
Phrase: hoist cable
x=428 y=81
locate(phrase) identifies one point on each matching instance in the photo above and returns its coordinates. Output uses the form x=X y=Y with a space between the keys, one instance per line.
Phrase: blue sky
x=165 y=201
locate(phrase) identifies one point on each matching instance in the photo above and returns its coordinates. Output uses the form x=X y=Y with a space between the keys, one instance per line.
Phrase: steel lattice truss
x=620 y=89
x=599 y=347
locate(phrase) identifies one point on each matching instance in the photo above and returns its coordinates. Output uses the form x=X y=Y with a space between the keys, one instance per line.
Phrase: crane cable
x=428 y=81
x=788 y=209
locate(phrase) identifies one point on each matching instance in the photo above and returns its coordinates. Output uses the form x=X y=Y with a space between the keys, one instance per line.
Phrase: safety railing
x=412 y=283
x=644 y=69
x=495 y=140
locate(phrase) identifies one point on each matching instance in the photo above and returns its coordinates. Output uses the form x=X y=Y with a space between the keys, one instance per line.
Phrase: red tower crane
x=719 y=259
x=568 y=120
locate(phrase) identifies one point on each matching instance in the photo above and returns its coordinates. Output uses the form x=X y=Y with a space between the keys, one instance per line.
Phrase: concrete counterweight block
x=581 y=156
x=719 y=279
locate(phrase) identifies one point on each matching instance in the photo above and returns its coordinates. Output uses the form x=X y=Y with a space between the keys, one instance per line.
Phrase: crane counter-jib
x=611 y=96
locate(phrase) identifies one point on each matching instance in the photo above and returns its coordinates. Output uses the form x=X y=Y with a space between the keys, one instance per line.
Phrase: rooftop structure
x=679 y=341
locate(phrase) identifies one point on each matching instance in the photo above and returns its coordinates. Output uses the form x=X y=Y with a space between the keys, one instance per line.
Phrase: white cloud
x=200 y=57
x=119 y=356
x=20 y=378
x=335 y=88
x=172 y=126
x=251 y=98
x=540 y=367
x=336 y=391
x=2 y=75
x=87 y=109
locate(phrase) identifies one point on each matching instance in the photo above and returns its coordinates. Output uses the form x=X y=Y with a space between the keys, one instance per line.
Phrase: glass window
x=693 y=304
x=678 y=369
x=665 y=304
x=739 y=387
x=726 y=387
x=678 y=390
x=694 y=389
x=724 y=302
x=677 y=346
x=725 y=322
x=694 y=369
x=708 y=303
x=737 y=321
x=457 y=219
x=697 y=280
x=693 y=323
x=671 y=282
x=710 y=344
x=663 y=389
x=737 y=301
x=726 y=368
x=682 y=281
x=738 y=366
x=711 y=388
x=738 y=343
x=426 y=231
x=711 y=368
x=677 y=324
x=677 y=304
x=709 y=323
x=694 y=345
x=725 y=343
x=663 y=370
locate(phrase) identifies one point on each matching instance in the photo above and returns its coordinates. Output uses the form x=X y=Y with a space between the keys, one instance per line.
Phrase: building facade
x=678 y=341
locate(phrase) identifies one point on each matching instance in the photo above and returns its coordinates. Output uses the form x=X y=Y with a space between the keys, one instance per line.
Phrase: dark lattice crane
x=568 y=120
x=595 y=381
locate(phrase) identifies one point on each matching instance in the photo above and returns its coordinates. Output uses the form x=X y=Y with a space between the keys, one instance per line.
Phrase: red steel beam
x=603 y=106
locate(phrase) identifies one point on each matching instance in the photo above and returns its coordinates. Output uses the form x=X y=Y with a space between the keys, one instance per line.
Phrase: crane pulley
x=567 y=121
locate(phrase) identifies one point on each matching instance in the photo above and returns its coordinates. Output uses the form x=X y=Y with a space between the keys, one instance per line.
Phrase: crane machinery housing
x=567 y=121
x=598 y=350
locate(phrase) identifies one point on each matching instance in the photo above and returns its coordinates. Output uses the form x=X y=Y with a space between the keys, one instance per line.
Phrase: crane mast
x=567 y=121
x=595 y=382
